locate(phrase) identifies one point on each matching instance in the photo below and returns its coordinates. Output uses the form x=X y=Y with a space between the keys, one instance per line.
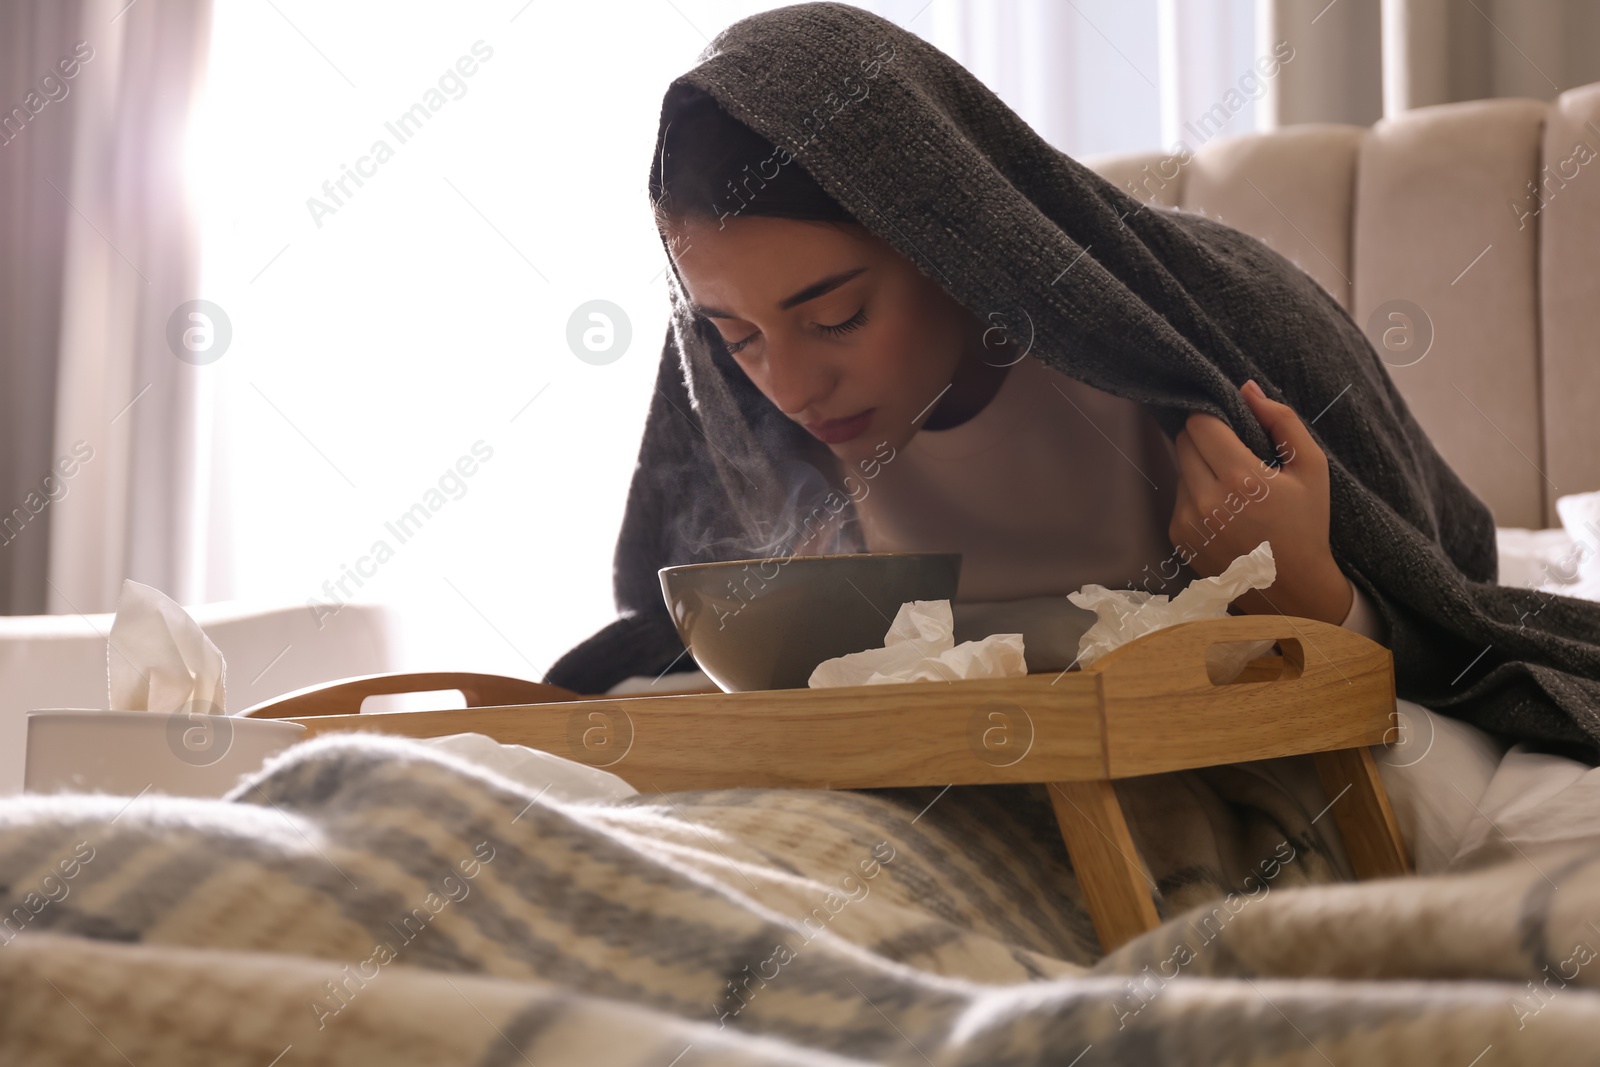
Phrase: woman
x=947 y=435
x=873 y=256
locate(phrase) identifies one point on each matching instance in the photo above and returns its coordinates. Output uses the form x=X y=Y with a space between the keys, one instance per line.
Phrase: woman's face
x=838 y=329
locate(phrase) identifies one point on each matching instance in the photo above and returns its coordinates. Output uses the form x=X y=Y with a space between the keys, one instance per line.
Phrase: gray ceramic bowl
x=766 y=623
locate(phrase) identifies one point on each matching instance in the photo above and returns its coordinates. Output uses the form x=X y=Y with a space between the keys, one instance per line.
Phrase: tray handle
x=1176 y=655
x=345 y=697
x=1163 y=711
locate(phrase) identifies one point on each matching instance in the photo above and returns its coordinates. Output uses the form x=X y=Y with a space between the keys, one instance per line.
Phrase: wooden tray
x=1149 y=707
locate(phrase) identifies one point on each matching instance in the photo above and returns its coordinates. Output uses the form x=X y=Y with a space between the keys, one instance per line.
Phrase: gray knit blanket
x=1171 y=309
x=372 y=900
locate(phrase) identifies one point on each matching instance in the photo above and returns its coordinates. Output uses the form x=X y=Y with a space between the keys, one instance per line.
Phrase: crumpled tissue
x=1580 y=515
x=1125 y=614
x=920 y=647
x=158 y=659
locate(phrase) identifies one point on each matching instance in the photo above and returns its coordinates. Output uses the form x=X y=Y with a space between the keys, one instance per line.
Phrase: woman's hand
x=1229 y=502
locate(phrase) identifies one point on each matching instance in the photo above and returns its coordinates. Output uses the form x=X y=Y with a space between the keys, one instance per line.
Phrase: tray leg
x=1366 y=821
x=1114 y=885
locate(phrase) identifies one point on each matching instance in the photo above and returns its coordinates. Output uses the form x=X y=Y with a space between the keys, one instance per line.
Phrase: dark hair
x=714 y=167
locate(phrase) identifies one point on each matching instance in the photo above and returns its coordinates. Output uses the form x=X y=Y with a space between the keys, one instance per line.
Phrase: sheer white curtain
x=38 y=104
x=1084 y=73
x=1098 y=76
x=97 y=250
x=1103 y=76
x=1358 y=60
x=132 y=261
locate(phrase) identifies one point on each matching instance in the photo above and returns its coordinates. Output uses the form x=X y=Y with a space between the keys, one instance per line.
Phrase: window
x=405 y=205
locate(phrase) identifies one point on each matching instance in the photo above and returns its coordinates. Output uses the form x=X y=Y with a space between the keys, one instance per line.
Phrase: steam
x=810 y=518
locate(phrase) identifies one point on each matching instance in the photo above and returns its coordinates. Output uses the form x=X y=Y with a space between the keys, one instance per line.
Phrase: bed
x=372 y=899
x=368 y=898
x=376 y=899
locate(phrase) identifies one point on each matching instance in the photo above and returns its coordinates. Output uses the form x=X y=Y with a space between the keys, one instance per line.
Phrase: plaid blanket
x=371 y=899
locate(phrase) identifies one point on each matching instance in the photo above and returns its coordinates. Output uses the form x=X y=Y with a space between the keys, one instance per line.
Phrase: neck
x=975 y=383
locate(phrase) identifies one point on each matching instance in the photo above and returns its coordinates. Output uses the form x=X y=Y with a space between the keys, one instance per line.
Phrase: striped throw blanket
x=373 y=900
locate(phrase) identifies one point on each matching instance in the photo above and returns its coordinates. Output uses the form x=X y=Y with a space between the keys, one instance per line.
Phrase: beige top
x=1052 y=485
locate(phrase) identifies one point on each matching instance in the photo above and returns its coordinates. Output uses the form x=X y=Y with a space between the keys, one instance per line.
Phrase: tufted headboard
x=1465 y=238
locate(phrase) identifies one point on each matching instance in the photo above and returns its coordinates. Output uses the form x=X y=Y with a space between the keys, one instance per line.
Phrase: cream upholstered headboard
x=1478 y=222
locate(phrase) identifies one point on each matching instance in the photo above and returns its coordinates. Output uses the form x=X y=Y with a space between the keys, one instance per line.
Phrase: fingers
x=1227 y=457
x=1196 y=474
x=1182 y=508
x=1288 y=434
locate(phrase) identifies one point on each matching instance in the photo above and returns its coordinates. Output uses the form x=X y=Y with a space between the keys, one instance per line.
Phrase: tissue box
x=131 y=752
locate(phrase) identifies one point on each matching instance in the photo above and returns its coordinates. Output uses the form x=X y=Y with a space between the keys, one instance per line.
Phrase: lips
x=838 y=431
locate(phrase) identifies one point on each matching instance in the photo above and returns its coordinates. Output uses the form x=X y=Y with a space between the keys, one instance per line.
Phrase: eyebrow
x=810 y=292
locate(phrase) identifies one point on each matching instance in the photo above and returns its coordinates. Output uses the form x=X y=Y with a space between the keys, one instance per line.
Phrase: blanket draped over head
x=1174 y=310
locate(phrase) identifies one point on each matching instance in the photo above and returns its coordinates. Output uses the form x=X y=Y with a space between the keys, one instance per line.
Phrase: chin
x=868 y=453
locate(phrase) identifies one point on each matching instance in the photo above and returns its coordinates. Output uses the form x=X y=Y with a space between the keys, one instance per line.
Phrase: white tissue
x=158 y=658
x=1580 y=516
x=1128 y=613
x=920 y=647
x=1563 y=559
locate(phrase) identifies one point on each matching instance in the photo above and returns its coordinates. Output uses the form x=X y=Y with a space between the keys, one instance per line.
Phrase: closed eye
x=854 y=322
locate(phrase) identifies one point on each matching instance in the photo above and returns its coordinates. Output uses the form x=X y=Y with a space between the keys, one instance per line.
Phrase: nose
x=798 y=381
